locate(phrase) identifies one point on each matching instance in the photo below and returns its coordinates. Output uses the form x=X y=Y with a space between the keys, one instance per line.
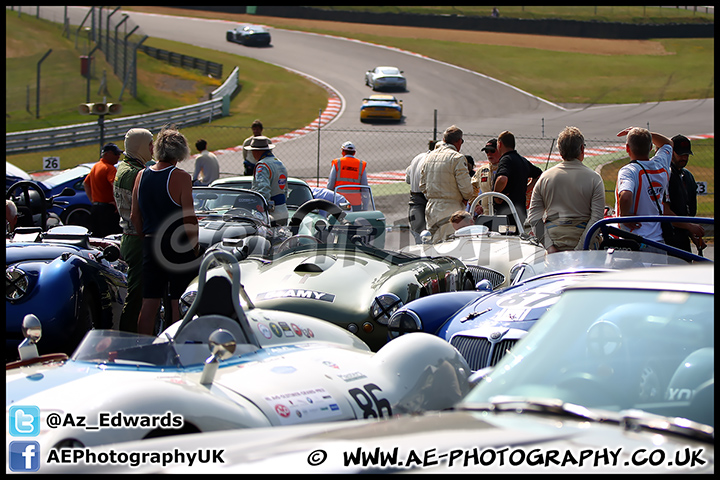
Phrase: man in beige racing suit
x=445 y=182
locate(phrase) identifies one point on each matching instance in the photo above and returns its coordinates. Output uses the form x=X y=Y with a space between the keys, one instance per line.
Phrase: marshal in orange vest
x=349 y=171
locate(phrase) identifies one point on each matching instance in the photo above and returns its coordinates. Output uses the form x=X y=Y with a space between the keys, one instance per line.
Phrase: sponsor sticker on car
x=296 y=293
x=303 y=406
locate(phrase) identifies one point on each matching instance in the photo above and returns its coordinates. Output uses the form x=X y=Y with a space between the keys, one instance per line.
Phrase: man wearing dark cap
x=484 y=178
x=104 y=217
x=682 y=197
x=249 y=161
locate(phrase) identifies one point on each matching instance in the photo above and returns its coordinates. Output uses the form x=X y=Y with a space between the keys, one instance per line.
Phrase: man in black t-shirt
x=515 y=177
x=682 y=197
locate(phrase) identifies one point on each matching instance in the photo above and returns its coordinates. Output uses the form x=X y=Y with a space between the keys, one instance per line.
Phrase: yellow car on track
x=381 y=107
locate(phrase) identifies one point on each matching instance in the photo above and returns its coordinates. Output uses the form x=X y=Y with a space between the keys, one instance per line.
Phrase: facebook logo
x=24 y=456
x=24 y=421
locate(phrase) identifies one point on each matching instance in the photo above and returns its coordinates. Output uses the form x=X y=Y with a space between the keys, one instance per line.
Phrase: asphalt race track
x=470 y=100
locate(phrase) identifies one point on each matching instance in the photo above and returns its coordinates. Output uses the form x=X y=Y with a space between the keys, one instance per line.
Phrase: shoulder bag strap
x=657 y=204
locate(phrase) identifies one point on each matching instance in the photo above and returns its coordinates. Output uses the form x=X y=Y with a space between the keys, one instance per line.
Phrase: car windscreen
x=238 y=203
x=72 y=174
x=298 y=193
x=541 y=264
x=114 y=347
x=389 y=71
x=614 y=349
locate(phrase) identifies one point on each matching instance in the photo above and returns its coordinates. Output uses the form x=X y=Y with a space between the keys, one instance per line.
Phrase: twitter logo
x=24 y=421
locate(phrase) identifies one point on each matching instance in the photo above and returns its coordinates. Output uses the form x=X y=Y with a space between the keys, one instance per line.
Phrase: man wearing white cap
x=348 y=170
x=270 y=178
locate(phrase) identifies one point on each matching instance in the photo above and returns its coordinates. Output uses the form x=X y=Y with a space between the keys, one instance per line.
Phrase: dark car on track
x=249 y=35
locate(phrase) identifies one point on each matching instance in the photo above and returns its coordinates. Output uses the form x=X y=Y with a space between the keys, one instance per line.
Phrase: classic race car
x=337 y=276
x=490 y=248
x=77 y=209
x=14 y=174
x=249 y=35
x=381 y=107
x=225 y=368
x=70 y=281
x=385 y=78
x=485 y=325
x=618 y=377
x=71 y=209
x=231 y=214
x=299 y=193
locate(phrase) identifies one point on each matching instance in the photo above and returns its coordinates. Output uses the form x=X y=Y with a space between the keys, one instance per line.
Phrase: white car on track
x=386 y=77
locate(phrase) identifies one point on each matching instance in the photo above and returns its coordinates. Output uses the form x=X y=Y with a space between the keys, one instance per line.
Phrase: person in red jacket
x=348 y=170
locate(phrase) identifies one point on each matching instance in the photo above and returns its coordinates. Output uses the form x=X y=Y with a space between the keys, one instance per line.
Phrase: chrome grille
x=481 y=273
x=479 y=352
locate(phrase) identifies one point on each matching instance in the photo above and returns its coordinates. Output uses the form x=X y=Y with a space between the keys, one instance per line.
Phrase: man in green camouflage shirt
x=138 y=155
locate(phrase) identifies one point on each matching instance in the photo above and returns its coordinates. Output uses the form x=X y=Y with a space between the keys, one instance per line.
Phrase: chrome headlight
x=186 y=300
x=17 y=284
x=404 y=321
x=384 y=306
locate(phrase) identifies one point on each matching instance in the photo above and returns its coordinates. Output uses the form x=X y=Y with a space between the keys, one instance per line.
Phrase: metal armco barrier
x=89 y=133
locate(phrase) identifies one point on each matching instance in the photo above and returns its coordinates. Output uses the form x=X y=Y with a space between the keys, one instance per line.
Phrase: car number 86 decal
x=369 y=403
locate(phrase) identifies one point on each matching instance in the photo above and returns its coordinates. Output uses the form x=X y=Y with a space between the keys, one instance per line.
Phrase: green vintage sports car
x=338 y=277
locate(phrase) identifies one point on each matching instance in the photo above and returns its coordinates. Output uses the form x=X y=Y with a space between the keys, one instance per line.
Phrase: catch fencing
x=389 y=152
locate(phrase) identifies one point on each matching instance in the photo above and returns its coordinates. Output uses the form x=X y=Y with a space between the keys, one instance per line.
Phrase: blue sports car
x=71 y=282
x=73 y=210
x=77 y=210
x=484 y=325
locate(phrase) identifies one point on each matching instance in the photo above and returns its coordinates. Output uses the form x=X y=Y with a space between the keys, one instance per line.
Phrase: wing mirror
x=32 y=331
x=222 y=346
x=425 y=237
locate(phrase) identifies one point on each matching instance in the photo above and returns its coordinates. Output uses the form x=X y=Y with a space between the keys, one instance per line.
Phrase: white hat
x=260 y=143
x=348 y=146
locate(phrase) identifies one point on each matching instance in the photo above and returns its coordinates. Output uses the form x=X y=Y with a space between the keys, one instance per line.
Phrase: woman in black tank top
x=162 y=210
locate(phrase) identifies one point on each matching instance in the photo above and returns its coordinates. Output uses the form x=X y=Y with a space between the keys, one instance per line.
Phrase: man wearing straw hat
x=270 y=178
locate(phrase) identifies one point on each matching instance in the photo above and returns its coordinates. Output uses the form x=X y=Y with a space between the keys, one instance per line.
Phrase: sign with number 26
x=51 y=163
